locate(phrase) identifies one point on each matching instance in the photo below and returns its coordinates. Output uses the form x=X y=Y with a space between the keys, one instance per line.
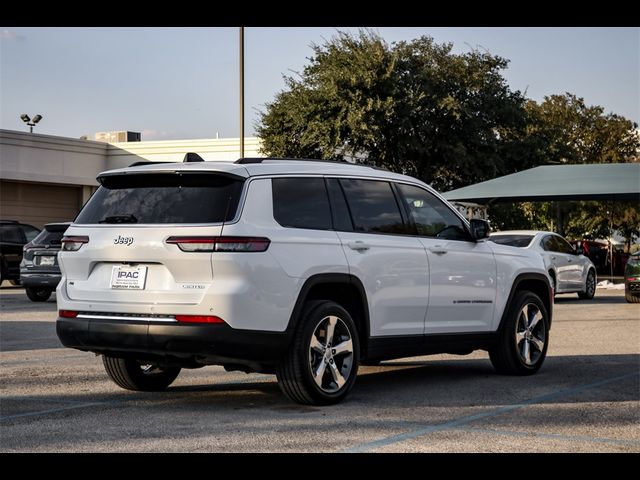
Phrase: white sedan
x=570 y=271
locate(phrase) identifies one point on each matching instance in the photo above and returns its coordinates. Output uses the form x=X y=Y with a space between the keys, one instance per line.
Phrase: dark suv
x=39 y=270
x=13 y=236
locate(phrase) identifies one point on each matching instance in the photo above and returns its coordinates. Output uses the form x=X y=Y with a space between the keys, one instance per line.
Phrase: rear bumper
x=189 y=344
x=50 y=280
x=633 y=288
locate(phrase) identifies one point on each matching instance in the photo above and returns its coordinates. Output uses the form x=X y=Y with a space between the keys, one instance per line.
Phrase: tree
x=412 y=107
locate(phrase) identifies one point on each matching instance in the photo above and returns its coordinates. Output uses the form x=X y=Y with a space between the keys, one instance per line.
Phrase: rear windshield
x=46 y=237
x=163 y=198
x=521 y=241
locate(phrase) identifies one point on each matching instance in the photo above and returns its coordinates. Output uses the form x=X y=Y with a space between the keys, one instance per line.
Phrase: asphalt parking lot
x=586 y=398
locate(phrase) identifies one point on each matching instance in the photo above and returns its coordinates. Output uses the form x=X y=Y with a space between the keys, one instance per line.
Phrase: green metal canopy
x=602 y=181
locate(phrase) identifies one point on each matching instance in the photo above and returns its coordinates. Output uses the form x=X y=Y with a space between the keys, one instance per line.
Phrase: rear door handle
x=358 y=245
x=438 y=250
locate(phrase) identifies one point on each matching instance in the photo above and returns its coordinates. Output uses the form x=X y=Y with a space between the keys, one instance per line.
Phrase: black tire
x=36 y=294
x=630 y=298
x=294 y=373
x=15 y=283
x=135 y=375
x=506 y=357
x=590 y=286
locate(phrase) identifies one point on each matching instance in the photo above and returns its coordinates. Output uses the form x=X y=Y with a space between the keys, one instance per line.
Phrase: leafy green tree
x=413 y=107
x=449 y=119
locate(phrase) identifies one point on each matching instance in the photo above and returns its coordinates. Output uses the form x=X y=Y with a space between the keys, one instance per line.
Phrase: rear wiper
x=119 y=219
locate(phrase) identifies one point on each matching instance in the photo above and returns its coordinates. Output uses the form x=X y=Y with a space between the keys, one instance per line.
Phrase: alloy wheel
x=530 y=335
x=331 y=354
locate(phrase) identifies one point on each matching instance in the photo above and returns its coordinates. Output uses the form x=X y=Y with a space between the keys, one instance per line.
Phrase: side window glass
x=564 y=246
x=339 y=209
x=373 y=206
x=10 y=234
x=30 y=233
x=301 y=203
x=432 y=217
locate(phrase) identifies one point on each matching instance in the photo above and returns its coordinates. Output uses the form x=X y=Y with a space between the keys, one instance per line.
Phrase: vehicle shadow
x=408 y=382
x=404 y=394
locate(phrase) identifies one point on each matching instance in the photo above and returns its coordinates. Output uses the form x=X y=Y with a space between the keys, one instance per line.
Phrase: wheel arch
x=346 y=290
x=537 y=283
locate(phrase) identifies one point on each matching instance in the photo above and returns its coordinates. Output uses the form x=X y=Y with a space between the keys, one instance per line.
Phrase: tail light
x=73 y=243
x=220 y=244
x=199 y=319
x=67 y=313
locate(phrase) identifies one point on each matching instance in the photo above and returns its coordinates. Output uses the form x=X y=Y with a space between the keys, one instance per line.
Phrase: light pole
x=241 y=92
x=32 y=123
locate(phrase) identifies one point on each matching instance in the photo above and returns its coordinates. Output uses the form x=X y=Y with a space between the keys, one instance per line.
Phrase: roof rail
x=244 y=161
x=192 y=157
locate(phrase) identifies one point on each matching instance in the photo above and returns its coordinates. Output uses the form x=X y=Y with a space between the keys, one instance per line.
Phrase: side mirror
x=479 y=229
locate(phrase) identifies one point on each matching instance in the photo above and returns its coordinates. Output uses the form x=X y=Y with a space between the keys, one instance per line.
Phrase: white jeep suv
x=302 y=268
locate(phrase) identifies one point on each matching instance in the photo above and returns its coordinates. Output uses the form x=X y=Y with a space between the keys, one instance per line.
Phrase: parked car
x=632 y=279
x=304 y=269
x=598 y=253
x=569 y=269
x=39 y=270
x=13 y=236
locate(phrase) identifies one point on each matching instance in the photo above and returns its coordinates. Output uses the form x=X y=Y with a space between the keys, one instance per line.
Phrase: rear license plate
x=47 y=260
x=124 y=277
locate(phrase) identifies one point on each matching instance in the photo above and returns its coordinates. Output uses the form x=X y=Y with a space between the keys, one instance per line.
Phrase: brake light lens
x=220 y=244
x=73 y=243
x=199 y=319
x=67 y=313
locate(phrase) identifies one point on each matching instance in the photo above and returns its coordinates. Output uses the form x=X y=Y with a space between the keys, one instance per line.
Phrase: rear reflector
x=220 y=244
x=198 y=319
x=67 y=313
x=73 y=243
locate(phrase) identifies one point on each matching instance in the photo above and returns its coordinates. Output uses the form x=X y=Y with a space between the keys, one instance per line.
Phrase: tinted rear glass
x=301 y=203
x=163 y=198
x=46 y=237
x=521 y=241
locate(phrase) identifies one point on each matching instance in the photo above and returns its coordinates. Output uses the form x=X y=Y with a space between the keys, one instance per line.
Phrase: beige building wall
x=45 y=178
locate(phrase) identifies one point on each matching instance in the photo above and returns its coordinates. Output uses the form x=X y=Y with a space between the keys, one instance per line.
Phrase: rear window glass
x=163 y=198
x=301 y=203
x=46 y=237
x=521 y=241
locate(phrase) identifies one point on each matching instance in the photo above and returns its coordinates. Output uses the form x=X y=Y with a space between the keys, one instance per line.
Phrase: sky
x=182 y=83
